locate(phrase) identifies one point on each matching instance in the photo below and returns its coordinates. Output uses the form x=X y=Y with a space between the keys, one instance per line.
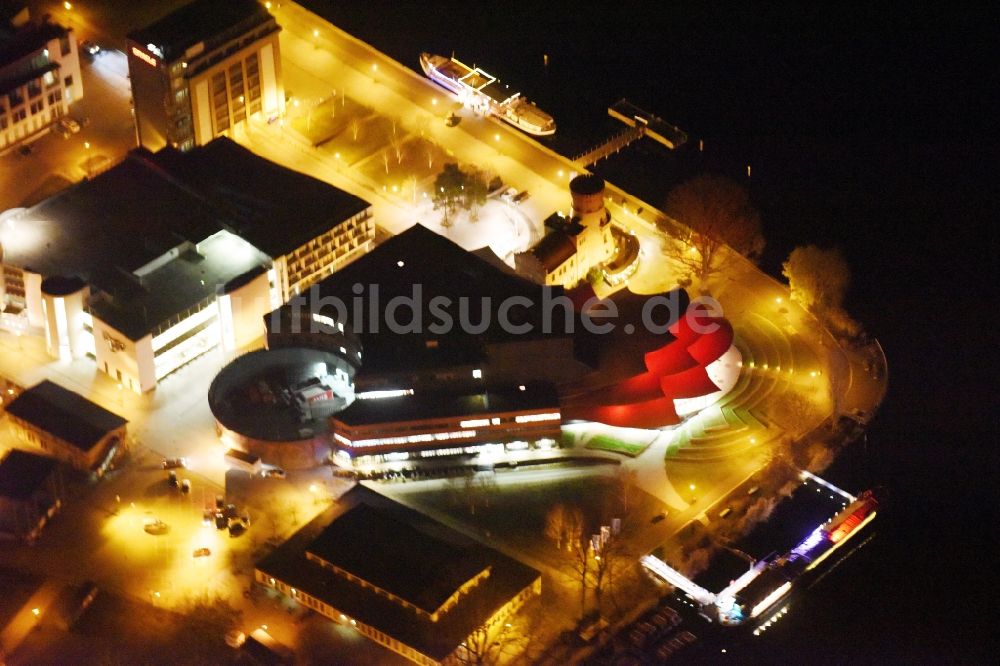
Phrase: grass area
x=615 y=445
x=324 y=122
x=515 y=512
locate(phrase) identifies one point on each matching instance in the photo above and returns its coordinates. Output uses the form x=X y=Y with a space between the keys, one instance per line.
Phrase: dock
x=656 y=128
x=612 y=145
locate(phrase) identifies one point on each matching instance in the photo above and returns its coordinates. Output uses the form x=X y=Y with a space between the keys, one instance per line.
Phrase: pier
x=671 y=136
x=612 y=145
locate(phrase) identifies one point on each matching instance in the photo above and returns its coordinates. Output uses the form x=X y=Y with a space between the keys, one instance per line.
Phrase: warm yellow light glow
x=67 y=6
x=778 y=300
x=315 y=33
x=434 y=101
x=560 y=173
x=496 y=137
x=268 y=4
x=86 y=144
x=35 y=611
x=691 y=486
x=374 y=67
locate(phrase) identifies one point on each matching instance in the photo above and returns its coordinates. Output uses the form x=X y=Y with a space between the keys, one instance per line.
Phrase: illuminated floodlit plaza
x=594 y=481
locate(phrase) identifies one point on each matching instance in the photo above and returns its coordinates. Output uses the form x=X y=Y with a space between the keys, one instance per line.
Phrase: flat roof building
x=204 y=70
x=67 y=426
x=167 y=255
x=39 y=77
x=31 y=491
x=401 y=579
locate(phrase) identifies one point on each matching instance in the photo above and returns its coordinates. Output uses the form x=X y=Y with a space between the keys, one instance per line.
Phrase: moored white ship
x=479 y=89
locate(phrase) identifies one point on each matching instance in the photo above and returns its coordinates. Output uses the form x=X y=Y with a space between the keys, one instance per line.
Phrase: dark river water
x=865 y=129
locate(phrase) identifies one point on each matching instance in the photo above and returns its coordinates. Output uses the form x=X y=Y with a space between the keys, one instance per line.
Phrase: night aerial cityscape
x=496 y=333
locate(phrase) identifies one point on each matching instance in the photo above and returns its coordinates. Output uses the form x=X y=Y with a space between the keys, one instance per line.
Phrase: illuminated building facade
x=39 y=77
x=68 y=427
x=398 y=578
x=426 y=386
x=574 y=244
x=169 y=255
x=204 y=70
x=416 y=426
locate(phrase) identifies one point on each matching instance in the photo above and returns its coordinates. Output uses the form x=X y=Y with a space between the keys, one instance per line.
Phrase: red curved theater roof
x=676 y=370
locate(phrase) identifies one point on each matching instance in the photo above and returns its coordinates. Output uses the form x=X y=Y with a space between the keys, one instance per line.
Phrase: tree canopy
x=718 y=213
x=818 y=278
x=454 y=188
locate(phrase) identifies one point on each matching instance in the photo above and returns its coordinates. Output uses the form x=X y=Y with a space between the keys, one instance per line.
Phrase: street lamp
x=86 y=147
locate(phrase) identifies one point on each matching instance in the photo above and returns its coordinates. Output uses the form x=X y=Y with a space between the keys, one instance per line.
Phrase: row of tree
x=720 y=223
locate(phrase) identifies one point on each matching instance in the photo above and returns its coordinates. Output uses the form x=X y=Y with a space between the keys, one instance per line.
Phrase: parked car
x=273 y=473
x=201 y=552
x=90 y=48
x=155 y=526
x=186 y=486
x=221 y=522
x=220 y=502
x=207 y=517
x=236 y=528
x=173 y=463
x=172 y=478
x=664 y=652
x=686 y=637
x=66 y=126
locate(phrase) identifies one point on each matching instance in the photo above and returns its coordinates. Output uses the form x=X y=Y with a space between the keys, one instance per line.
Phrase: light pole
x=86 y=148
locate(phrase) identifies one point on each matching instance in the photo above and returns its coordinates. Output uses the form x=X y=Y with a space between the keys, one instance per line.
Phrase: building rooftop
x=554 y=249
x=421 y=406
x=27 y=39
x=198 y=21
x=153 y=204
x=273 y=208
x=426 y=571
x=390 y=548
x=21 y=473
x=65 y=414
x=422 y=265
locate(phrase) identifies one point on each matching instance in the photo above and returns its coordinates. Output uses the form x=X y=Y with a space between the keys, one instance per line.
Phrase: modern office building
x=68 y=427
x=204 y=70
x=574 y=244
x=39 y=76
x=31 y=491
x=398 y=578
x=169 y=255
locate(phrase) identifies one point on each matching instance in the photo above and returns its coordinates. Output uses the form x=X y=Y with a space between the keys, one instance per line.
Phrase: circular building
x=276 y=404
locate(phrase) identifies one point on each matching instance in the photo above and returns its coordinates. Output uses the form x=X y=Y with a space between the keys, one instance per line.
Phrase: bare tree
x=355 y=128
x=385 y=161
x=448 y=191
x=717 y=212
x=795 y=412
x=397 y=149
x=500 y=639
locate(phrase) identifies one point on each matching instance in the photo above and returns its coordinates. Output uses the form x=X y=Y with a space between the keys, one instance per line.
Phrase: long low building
x=416 y=425
x=399 y=578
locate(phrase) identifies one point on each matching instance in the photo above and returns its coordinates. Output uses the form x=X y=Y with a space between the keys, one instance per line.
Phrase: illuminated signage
x=145 y=57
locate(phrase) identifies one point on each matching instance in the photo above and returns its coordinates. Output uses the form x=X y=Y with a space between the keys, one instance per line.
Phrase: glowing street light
x=34 y=611
x=67 y=6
